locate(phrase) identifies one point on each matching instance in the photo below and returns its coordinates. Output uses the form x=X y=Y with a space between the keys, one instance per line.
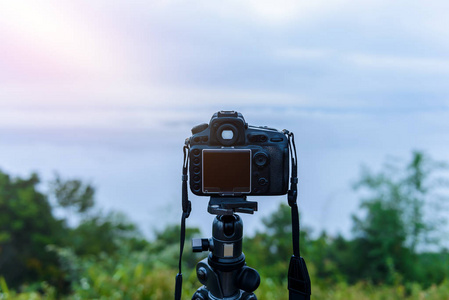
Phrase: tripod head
x=224 y=273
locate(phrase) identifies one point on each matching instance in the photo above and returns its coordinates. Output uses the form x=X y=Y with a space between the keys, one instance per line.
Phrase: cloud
x=285 y=11
x=368 y=61
x=400 y=63
x=55 y=40
x=174 y=54
x=303 y=53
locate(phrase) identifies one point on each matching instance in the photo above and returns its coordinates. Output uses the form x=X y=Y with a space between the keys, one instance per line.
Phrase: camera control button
x=257 y=138
x=262 y=181
x=277 y=140
x=260 y=159
x=252 y=138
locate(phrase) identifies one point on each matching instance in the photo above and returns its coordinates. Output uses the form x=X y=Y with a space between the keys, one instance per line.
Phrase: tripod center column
x=227 y=233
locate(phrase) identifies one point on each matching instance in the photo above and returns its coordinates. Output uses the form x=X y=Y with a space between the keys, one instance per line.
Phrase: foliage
x=130 y=273
x=104 y=256
x=26 y=227
x=166 y=245
x=158 y=285
x=30 y=233
x=387 y=238
x=73 y=193
x=102 y=233
x=270 y=250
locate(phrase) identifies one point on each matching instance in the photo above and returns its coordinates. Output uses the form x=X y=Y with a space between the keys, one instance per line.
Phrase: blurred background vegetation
x=58 y=245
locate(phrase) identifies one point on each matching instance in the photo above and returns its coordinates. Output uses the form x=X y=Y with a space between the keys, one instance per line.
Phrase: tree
x=380 y=243
x=96 y=232
x=27 y=225
x=31 y=238
x=102 y=233
x=72 y=194
x=395 y=224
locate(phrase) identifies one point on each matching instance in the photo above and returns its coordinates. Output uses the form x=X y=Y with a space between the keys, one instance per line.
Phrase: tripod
x=224 y=273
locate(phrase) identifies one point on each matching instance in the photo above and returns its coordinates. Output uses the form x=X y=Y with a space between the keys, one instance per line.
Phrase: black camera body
x=228 y=157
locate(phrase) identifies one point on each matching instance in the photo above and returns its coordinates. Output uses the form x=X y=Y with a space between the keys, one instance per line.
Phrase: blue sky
x=108 y=90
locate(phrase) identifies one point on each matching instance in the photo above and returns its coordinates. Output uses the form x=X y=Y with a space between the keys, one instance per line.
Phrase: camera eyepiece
x=227 y=134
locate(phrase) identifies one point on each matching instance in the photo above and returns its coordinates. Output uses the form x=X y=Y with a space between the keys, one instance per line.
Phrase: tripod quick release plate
x=229 y=205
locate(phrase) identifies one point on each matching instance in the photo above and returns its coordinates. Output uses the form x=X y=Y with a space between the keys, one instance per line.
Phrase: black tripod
x=224 y=273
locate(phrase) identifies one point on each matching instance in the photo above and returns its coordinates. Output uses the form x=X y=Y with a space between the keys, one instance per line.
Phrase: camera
x=228 y=157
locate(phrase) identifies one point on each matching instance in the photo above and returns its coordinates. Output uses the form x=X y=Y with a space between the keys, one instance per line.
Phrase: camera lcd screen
x=226 y=171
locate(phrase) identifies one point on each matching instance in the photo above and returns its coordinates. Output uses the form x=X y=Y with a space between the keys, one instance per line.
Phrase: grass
x=158 y=284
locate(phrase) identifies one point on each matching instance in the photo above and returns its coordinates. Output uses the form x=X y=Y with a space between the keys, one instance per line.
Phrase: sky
x=107 y=91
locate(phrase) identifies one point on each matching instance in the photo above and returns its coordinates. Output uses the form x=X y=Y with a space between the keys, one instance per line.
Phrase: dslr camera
x=228 y=157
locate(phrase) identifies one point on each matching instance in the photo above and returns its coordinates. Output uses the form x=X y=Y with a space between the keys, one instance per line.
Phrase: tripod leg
x=201 y=294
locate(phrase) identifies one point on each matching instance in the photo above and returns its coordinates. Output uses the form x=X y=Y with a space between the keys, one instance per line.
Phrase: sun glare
x=52 y=38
